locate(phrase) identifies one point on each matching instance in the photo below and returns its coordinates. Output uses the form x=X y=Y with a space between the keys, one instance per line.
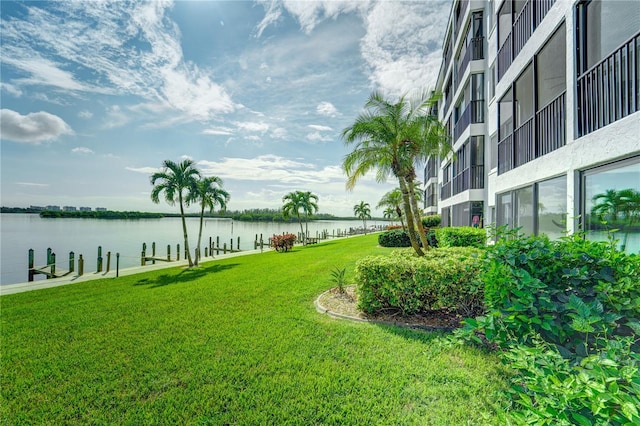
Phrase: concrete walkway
x=72 y=279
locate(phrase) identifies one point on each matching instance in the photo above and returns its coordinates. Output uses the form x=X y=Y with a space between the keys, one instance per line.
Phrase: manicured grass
x=236 y=341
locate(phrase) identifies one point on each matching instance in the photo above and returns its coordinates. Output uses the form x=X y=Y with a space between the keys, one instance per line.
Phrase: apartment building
x=542 y=102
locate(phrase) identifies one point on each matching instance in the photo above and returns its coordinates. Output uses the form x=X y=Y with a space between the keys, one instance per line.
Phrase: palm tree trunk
x=399 y=212
x=411 y=228
x=417 y=218
x=304 y=241
x=184 y=232
x=199 y=235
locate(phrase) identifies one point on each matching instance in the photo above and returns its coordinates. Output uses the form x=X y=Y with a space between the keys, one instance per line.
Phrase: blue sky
x=96 y=95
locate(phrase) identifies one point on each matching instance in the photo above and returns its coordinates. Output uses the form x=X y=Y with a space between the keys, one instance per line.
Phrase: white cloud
x=319 y=127
x=34 y=127
x=38 y=185
x=218 y=131
x=126 y=48
x=11 y=89
x=317 y=137
x=144 y=170
x=85 y=114
x=82 y=150
x=270 y=168
x=327 y=108
x=279 y=133
x=252 y=126
x=115 y=117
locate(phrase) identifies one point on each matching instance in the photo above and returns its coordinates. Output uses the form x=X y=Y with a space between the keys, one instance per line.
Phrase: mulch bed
x=346 y=304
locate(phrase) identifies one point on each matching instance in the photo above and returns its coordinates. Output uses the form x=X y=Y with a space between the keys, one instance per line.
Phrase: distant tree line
x=109 y=214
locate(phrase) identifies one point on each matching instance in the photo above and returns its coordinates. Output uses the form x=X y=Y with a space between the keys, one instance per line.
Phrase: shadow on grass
x=183 y=276
x=420 y=334
x=313 y=246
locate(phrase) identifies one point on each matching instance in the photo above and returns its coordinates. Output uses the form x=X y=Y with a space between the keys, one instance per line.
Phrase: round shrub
x=394 y=238
x=432 y=221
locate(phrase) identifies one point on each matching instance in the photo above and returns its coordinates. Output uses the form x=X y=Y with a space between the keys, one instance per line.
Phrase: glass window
x=505 y=210
x=551 y=68
x=524 y=97
x=505 y=112
x=523 y=210
x=552 y=207
x=611 y=201
x=608 y=25
x=504 y=22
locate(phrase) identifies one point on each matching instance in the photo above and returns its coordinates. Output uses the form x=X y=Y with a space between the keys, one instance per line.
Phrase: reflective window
x=611 y=204
x=523 y=210
x=552 y=207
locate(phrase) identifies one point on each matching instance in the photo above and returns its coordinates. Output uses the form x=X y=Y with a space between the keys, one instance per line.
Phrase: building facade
x=542 y=102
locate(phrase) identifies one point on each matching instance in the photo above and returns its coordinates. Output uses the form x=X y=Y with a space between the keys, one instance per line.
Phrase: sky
x=96 y=95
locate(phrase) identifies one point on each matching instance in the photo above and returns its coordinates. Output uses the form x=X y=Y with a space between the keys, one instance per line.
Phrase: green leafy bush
x=283 y=243
x=394 y=238
x=432 y=221
x=400 y=238
x=604 y=389
x=411 y=284
x=568 y=314
x=463 y=236
x=571 y=292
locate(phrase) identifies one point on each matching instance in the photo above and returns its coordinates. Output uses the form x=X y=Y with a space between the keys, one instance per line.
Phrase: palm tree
x=391 y=138
x=362 y=212
x=297 y=200
x=173 y=180
x=208 y=192
x=310 y=206
x=389 y=213
x=393 y=200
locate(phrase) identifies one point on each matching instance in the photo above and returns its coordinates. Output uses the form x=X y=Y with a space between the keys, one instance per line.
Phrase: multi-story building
x=542 y=102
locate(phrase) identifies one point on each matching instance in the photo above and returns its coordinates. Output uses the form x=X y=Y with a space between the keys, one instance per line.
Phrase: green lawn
x=236 y=341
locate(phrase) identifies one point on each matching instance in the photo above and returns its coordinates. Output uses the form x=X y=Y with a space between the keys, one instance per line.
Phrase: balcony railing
x=524 y=146
x=551 y=126
x=470 y=178
x=505 y=57
x=445 y=191
x=477 y=48
x=474 y=52
x=473 y=113
x=531 y=15
x=477 y=177
x=505 y=154
x=522 y=27
x=610 y=90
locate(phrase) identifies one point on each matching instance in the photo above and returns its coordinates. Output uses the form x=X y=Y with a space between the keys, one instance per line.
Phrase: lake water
x=21 y=232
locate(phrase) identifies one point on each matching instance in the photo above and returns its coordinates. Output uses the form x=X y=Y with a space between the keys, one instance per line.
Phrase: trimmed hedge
x=432 y=221
x=462 y=236
x=443 y=278
x=400 y=238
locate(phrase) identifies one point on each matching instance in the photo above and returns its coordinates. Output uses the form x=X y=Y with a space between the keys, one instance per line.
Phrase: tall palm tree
x=209 y=193
x=363 y=212
x=173 y=180
x=391 y=138
x=300 y=200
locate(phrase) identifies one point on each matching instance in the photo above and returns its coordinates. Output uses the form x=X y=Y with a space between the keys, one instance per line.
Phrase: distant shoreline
x=256 y=215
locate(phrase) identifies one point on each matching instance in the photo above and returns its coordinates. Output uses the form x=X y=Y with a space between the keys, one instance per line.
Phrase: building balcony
x=524 y=24
x=474 y=113
x=445 y=191
x=610 y=90
x=474 y=52
x=538 y=136
x=464 y=5
x=470 y=178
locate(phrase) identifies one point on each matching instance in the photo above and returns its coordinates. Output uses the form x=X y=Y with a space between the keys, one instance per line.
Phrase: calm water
x=20 y=232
